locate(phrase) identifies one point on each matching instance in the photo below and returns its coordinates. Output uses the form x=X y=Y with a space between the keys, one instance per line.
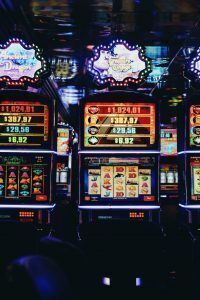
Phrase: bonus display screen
x=168 y=141
x=195 y=177
x=194 y=125
x=23 y=124
x=124 y=180
x=169 y=178
x=119 y=125
x=25 y=178
x=62 y=140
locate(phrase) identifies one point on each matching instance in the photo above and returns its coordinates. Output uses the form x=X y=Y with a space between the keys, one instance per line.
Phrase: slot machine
x=189 y=158
x=119 y=158
x=27 y=158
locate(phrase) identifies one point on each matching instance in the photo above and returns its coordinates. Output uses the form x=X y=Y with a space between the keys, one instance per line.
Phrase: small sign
x=21 y=63
x=119 y=64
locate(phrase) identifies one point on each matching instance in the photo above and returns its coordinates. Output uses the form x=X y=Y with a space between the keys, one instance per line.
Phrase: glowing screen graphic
x=23 y=123
x=119 y=179
x=119 y=124
x=25 y=178
x=195 y=177
x=168 y=141
x=62 y=140
x=119 y=64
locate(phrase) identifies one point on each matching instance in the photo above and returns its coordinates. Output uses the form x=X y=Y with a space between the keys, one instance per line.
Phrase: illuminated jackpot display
x=194 y=116
x=23 y=124
x=125 y=180
x=119 y=125
x=25 y=178
x=195 y=178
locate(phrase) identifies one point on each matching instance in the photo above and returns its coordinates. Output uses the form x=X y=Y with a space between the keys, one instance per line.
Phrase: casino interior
x=99 y=149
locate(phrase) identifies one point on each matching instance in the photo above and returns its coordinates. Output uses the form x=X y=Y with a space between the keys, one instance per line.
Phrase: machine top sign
x=20 y=63
x=119 y=64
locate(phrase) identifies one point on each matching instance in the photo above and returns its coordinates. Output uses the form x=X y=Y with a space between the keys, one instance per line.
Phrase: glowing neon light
x=119 y=64
x=106 y=207
x=21 y=63
x=195 y=206
x=27 y=206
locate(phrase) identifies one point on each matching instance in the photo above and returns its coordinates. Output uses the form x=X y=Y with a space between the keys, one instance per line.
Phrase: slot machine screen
x=195 y=178
x=62 y=140
x=119 y=180
x=119 y=125
x=168 y=141
x=168 y=179
x=25 y=179
x=24 y=124
x=194 y=126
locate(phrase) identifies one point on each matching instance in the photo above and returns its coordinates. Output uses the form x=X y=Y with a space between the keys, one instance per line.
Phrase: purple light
x=23 y=206
x=106 y=281
x=138 y=281
x=192 y=206
x=119 y=207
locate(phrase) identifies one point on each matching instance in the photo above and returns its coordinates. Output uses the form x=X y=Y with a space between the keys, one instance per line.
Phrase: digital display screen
x=62 y=140
x=119 y=125
x=169 y=178
x=25 y=178
x=168 y=141
x=160 y=59
x=194 y=117
x=119 y=179
x=195 y=177
x=23 y=124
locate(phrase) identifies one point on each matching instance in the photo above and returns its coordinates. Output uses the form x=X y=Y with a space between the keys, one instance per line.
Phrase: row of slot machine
x=124 y=174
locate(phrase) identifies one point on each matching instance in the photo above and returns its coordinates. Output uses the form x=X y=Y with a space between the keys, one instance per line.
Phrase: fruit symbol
x=1 y=168
x=1 y=180
x=1 y=186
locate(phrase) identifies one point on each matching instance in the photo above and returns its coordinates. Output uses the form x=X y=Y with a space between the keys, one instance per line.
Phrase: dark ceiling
x=65 y=28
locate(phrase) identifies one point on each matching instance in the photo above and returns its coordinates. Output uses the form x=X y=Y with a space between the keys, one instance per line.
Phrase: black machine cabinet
x=119 y=157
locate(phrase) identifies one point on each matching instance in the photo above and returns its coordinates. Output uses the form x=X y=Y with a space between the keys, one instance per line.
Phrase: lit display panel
x=119 y=180
x=168 y=141
x=62 y=140
x=169 y=178
x=119 y=125
x=194 y=117
x=195 y=178
x=25 y=178
x=24 y=124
